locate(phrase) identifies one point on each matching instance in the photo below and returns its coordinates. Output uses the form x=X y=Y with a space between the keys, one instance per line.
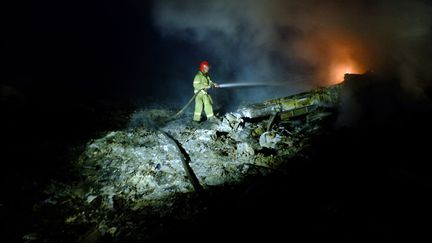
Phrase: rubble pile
x=130 y=180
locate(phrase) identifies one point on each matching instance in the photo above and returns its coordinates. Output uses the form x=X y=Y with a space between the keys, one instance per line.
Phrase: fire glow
x=333 y=55
x=337 y=72
x=343 y=58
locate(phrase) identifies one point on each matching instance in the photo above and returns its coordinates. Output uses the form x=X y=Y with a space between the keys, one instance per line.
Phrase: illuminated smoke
x=316 y=41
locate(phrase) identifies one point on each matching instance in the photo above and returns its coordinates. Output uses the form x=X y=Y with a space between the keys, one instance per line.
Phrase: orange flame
x=334 y=55
x=338 y=70
x=342 y=60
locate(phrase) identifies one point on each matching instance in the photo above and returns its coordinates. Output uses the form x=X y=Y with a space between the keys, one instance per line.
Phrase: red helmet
x=202 y=65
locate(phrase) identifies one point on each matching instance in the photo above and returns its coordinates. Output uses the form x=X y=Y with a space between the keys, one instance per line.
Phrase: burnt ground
x=43 y=128
x=367 y=181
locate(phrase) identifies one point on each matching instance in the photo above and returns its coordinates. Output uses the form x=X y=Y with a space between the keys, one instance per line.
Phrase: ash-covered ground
x=103 y=172
x=143 y=181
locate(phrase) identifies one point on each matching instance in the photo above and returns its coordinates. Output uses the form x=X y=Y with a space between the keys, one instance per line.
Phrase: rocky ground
x=151 y=178
x=131 y=182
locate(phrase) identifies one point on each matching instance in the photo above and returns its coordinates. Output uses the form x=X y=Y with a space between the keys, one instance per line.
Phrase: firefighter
x=202 y=83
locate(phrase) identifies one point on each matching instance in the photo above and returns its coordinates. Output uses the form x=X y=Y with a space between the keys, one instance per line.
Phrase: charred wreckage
x=154 y=173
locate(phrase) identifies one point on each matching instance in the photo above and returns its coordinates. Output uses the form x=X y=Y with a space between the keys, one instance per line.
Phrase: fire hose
x=187 y=104
x=228 y=85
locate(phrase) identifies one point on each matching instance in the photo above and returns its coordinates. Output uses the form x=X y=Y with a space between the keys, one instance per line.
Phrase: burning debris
x=131 y=181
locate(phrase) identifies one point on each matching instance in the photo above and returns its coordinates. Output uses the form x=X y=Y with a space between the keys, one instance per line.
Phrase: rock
x=269 y=139
x=131 y=178
x=90 y=198
x=244 y=150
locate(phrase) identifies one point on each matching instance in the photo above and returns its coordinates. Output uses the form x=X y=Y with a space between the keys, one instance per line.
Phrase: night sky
x=101 y=48
x=142 y=50
x=68 y=66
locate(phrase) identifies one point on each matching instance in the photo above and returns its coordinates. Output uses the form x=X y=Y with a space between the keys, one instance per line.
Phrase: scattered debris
x=152 y=173
x=269 y=139
x=30 y=237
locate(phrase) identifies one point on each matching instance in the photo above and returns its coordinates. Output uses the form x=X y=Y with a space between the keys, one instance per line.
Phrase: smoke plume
x=309 y=42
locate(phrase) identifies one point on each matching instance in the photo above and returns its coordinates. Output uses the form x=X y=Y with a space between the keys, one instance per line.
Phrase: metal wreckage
x=129 y=181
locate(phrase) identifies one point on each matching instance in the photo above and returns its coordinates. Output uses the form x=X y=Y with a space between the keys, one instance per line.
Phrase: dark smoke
x=309 y=40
